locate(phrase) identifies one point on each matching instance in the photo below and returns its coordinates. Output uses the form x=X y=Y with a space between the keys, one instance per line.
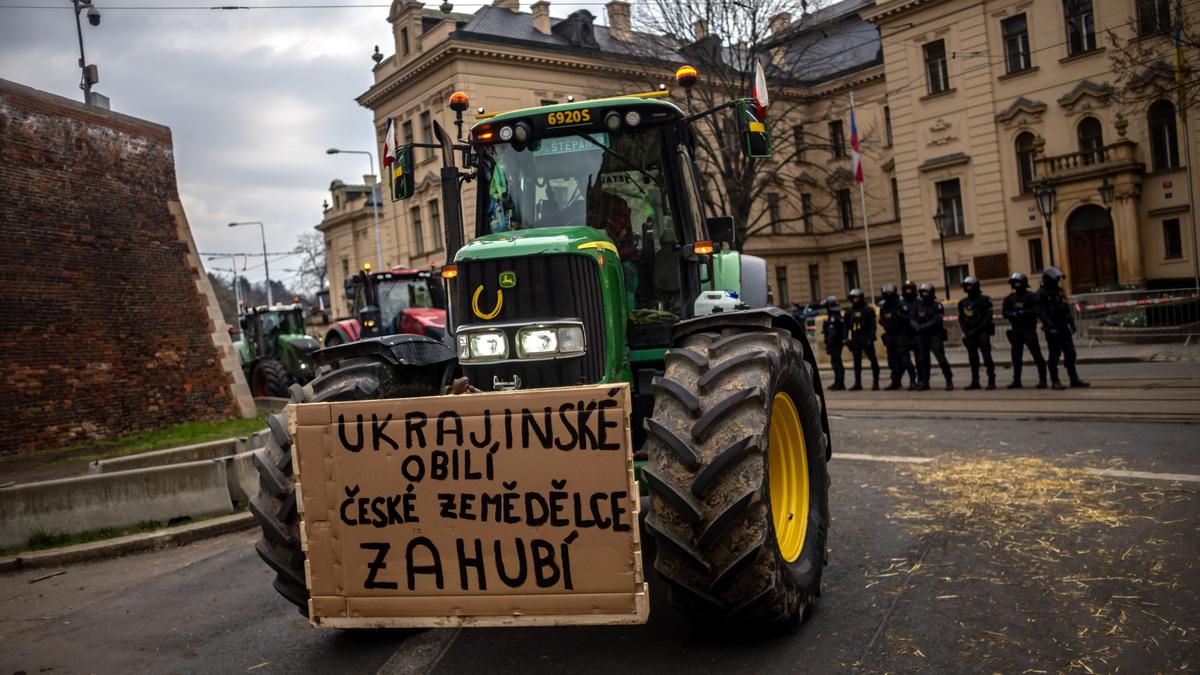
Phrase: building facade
x=348 y=225
x=962 y=107
x=989 y=99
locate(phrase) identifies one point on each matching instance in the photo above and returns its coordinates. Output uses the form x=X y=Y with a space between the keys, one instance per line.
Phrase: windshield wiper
x=614 y=153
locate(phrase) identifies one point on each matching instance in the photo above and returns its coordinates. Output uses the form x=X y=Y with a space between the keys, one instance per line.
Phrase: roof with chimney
x=830 y=42
x=577 y=32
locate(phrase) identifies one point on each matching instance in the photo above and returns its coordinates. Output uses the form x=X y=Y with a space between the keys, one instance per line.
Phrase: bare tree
x=311 y=247
x=723 y=39
x=1145 y=62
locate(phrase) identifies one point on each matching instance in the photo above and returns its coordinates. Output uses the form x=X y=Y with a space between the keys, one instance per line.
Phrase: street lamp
x=266 y=264
x=1107 y=192
x=1047 y=199
x=374 y=201
x=939 y=221
x=90 y=74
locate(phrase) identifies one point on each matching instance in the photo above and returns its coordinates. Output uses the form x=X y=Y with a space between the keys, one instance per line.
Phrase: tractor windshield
x=618 y=183
x=287 y=323
x=397 y=296
x=612 y=182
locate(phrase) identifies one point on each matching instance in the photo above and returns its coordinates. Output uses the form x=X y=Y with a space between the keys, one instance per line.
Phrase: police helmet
x=969 y=284
x=831 y=301
x=1051 y=276
x=909 y=285
x=1018 y=280
x=856 y=294
x=888 y=290
x=926 y=289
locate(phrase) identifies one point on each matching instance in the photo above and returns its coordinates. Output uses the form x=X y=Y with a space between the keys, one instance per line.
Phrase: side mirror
x=720 y=228
x=756 y=142
x=402 y=173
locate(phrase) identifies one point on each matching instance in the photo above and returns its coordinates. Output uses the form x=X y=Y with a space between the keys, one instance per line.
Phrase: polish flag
x=855 y=150
x=389 y=144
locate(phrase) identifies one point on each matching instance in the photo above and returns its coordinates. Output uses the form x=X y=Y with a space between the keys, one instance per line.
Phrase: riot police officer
x=1054 y=312
x=931 y=336
x=893 y=318
x=975 y=319
x=912 y=346
x=1020 y=308
x=835 y=337
x=860 y=335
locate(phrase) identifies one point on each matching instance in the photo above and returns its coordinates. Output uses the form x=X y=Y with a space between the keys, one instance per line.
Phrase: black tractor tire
x=710 y=510
x=270 y=378
x=357 y=379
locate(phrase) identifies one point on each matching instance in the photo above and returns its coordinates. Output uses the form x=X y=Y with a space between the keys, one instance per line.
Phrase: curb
x=134 y=543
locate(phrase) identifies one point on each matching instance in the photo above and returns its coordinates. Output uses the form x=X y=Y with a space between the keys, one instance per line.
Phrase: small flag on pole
x=761 y=98
x=855 y=150
x=389 y=144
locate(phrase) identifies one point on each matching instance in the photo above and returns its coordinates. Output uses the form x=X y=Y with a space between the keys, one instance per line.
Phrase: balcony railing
x=1082 y=160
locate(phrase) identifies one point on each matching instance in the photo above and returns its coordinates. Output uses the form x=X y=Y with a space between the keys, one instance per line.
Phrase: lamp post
x=939 y=221
x=1107 y=192
x=266 y=264
x=1047 y=199
x=90 y=74
x=374 y=201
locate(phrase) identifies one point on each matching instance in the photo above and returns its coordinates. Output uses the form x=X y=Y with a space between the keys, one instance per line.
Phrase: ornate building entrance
x=1092 y=249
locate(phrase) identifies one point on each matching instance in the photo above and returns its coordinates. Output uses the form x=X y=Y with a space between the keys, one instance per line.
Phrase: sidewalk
x=956 y=354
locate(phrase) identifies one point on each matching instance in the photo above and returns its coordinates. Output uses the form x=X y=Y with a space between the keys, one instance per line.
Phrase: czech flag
x=855 y=150
x=389 y=144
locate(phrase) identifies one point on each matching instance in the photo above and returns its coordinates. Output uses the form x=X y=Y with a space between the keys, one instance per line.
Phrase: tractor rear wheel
x=360 y=378
x=739 y=490
x=270 y=378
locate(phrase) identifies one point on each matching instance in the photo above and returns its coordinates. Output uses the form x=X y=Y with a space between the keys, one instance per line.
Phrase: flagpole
x=862 y=195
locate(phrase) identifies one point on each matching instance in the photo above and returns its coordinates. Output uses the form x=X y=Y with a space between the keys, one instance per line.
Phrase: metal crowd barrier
x=1138 y=316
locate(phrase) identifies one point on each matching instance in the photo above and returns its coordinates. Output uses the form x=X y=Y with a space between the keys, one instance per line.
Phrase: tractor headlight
x=489 y=345
x=536 y=342
x=539 y=342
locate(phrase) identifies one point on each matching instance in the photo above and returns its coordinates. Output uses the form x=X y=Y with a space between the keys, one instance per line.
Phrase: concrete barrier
x=257 y=439
x=242 y=477
x=184 y=453
x=270 y=404
x=120 y=499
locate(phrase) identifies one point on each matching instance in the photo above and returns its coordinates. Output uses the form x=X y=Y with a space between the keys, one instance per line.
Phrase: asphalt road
x=1000 y=554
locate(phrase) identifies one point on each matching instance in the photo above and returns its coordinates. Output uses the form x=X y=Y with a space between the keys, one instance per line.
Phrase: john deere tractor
x=593 y=262
x=274 y=350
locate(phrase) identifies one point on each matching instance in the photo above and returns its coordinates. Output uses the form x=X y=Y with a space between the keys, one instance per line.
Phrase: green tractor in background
x=275 y=352
x=593 y=262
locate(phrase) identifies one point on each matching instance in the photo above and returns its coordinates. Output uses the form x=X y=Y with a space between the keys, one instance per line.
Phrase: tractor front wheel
x=270 y=378
x=739 y=490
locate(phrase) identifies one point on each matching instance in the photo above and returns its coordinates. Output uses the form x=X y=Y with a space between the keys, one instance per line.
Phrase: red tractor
x=389 y=303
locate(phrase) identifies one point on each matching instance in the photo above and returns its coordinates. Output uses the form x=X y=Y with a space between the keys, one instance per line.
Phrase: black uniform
x=912 y=345
x=1020 y=308
x=894 y=315
x=931 y=335
x=1054 y=313
x=975 y=319
x=835 y=337
x=860 y=325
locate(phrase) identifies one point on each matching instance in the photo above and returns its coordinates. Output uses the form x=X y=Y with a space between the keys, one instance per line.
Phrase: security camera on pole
x=90 y=73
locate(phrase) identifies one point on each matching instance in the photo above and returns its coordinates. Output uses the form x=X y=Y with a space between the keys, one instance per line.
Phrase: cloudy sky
x=253 y=98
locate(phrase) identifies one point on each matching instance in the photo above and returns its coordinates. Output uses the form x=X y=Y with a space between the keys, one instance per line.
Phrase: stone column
x=1126 y=228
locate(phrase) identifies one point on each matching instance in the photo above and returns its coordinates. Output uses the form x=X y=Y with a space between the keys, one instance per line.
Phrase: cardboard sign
x=493 y=509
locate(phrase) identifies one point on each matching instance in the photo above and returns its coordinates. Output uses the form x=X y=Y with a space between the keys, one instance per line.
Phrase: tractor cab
x=391 y=302
x=274 y=350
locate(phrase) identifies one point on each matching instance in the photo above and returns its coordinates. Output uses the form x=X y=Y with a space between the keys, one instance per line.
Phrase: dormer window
x=404 y=42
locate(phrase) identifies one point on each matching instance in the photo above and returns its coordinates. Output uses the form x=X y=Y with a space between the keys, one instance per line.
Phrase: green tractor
x=593 y=262
x=275 y=352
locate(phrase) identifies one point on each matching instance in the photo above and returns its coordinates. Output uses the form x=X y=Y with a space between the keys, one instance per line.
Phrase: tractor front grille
x=548 y=288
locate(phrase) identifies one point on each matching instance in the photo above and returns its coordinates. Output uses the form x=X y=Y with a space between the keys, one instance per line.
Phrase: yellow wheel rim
x=787 y=466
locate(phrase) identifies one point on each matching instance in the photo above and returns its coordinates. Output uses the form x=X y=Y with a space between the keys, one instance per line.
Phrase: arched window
x=1164 y=145
x=1091 y=140
x=1026 y=170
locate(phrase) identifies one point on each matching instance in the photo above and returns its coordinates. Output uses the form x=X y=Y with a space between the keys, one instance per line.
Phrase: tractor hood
x=537 y=241
x=427 y=316
x=303 y=345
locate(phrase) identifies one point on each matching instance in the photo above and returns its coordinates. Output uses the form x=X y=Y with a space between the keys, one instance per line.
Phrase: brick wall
x=106 y=326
